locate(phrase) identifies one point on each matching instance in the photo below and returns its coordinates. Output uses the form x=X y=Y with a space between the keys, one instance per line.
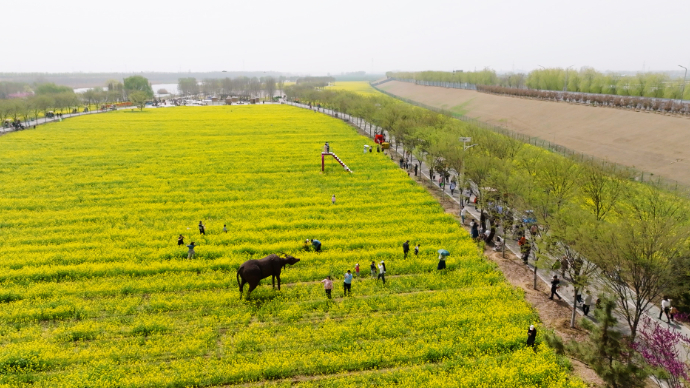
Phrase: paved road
x=41 y=121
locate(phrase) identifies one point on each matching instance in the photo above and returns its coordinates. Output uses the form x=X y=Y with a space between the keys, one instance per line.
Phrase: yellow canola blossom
x=360 y=87
x=97 y=293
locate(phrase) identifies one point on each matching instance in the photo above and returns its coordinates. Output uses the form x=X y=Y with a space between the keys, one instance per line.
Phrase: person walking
x=180 y=240
x=202 y=228
x=531 y=335
x=373 y=269
x=452 y=187
x=327 y=286
x=665 y=309
x=347 y=283
x=406 y=248
x=382 y=273
x=587 y=303
x=333 y=199
x=416 y=250
x=191 y=253
x=225 y=228
x=554 y=288
x=357 y=269
x=463 y=214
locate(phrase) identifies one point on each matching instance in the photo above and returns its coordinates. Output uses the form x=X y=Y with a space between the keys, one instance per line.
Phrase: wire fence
x=630 y=172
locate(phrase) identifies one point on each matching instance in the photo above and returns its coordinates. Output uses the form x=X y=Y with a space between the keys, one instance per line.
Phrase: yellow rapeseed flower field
x=361 y=87
x=95 y=291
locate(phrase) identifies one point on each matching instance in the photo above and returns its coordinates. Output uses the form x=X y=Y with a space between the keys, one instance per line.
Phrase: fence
x=632 y=173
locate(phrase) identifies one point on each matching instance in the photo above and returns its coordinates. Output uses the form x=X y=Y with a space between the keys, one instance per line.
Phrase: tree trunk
x=535 y=272
x=572 y=316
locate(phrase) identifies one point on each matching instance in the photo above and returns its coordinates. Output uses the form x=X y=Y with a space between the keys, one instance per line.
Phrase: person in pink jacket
x=327 y=286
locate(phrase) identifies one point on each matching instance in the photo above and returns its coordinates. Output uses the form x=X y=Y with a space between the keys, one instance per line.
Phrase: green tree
x=137 y=83
x=139 y=98
x=42 y=104
x=600 y=189
x=638 y=253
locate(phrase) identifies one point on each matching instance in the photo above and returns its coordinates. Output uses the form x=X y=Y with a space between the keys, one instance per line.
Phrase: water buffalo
x=253 y=271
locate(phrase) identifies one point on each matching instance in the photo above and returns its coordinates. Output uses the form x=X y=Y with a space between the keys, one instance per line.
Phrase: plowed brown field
x=650 y=142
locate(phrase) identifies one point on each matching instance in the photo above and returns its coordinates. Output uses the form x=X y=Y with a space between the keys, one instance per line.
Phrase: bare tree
x=270 y=87
x=281 y=84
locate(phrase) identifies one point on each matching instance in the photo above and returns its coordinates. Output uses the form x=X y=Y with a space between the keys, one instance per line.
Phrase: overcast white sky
x=319 y=36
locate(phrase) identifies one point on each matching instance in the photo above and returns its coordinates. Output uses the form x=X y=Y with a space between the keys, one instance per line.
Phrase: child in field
x=357 y=269
x=416 y=250
x=373 y=269
x=180 y=240
x=333 y=199
x=202 y=228
x=225 y=228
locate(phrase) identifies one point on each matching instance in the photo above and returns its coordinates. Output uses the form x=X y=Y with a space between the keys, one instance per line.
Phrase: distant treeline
x=585 y=80
x=239 y=86
x=315 y=82
x=87 y=80
x=608 y=100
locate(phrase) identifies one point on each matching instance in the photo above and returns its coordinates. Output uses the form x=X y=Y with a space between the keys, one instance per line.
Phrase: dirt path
x=651 y=142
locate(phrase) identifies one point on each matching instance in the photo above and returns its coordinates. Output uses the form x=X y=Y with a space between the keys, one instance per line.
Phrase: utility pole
x=682 y=90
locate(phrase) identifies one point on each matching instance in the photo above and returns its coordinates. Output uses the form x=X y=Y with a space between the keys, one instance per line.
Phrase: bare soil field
x=651 y=142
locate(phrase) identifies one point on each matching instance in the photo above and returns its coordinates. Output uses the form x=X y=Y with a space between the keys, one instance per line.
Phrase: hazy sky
x=338 y=36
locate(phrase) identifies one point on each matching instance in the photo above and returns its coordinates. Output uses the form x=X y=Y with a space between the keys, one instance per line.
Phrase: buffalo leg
x=251 y=288
x=273 y=280
x=278 y=282
x=242 y=287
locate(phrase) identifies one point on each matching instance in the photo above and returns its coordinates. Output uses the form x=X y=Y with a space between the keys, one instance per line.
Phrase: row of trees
x=634 y=103
x=51 y=97
x=629 y=240
x=240 y=86
x=585 y=80
x=38 y=105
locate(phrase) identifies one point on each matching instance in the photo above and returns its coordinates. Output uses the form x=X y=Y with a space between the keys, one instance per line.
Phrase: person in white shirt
x=665 y=308
x=463 y=214
x=382 y=272
x=225 y=228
